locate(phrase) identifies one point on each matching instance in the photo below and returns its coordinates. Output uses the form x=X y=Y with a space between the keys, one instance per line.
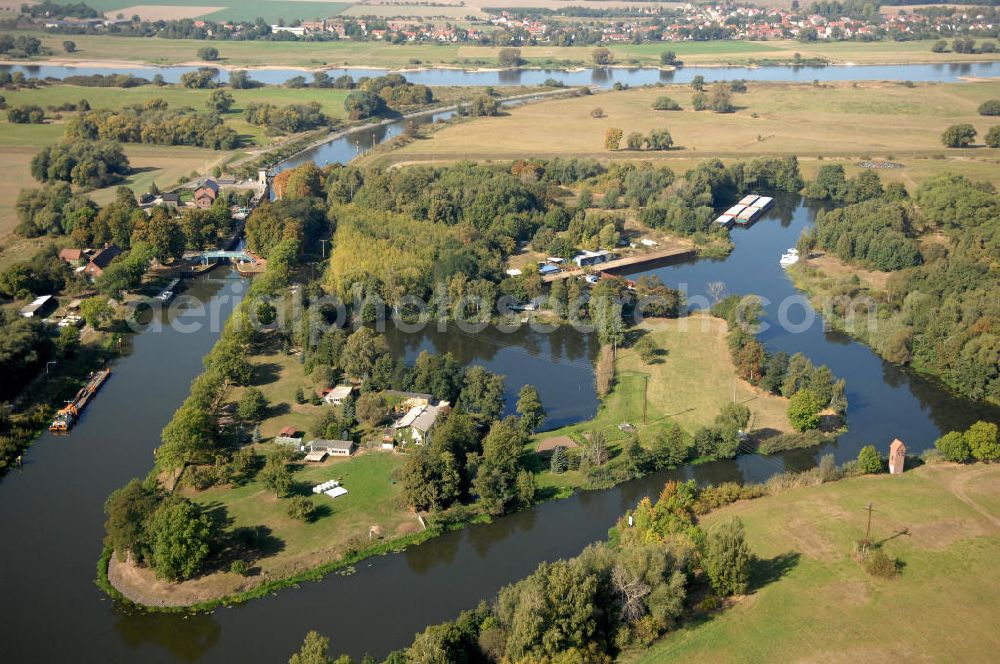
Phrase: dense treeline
x=658 y=567
x=939 y=308
x=375 y=96
x=876 y=233
x=105 y=80
x=85 y=163
x=291 y=118
x=810 y=389
x=44 y=273
x=20 y=46
x=153 y=122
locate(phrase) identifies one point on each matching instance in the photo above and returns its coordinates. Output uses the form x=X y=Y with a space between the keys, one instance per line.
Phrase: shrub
x=992 y=138
x=869 y=461
x=879 y=563
x=301 y=508
x=953 y=447
x=727 y=559
x=990 y=107
x=239 y=567
x=665 y=103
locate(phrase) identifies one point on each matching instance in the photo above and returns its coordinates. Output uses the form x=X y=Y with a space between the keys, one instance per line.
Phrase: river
x=603 y=77
x=50 y=513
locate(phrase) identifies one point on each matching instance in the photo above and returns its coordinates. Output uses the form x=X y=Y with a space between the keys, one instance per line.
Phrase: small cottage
x=289 y=436
x=101 y=260
x=331 y=447
x=336 y=395
x=205 y=195
x=897 y=457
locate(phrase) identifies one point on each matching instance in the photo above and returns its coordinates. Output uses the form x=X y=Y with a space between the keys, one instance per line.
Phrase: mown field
x=814 y=603
x=93 y=48
x=690 y=346
x=852 y=121
x=222 y=10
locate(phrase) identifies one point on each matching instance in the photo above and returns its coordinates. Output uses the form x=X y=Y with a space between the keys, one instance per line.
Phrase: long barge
x=70 y=413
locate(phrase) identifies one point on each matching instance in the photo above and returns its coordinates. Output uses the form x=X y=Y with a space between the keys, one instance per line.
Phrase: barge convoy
x=68 y=415
x=746 y=211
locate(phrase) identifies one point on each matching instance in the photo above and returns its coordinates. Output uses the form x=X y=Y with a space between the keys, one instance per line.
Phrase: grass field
x=228 y=10
x=818 y=605
x=92 y=48
x=837 y=120
x=690 y=382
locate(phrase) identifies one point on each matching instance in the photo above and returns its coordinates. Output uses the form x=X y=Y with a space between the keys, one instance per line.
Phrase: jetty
x=627 y=261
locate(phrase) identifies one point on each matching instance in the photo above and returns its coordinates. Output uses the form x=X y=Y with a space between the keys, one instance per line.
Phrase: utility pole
x=868 y=530
x=645 y=391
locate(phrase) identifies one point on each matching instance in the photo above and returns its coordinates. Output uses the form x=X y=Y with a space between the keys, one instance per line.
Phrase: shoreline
x=142 y=64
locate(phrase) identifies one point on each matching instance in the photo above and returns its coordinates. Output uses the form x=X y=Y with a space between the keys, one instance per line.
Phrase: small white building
x=331 y=447
x=36 y=307
x=337 y=394
x=290 y=437
x=587 y=258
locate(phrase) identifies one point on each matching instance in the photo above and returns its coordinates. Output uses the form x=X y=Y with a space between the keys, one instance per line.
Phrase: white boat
x=790 y=257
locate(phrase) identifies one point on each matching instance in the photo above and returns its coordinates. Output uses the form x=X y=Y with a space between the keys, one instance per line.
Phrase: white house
x=337 y=394
x=331 y=447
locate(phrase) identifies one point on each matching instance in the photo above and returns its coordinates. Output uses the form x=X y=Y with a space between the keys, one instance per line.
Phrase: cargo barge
x=68 y=415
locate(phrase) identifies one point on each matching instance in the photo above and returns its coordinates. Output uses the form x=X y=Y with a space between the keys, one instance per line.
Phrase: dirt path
x=959 y=486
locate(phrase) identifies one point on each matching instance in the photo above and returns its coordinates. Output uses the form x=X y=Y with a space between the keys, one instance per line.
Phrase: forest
x=939 y=311
x=153 y=122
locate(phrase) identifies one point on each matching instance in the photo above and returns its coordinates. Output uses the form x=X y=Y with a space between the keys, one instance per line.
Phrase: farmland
x=817 y=603
x=813 y=122
x=94 y=49
x=269 y=10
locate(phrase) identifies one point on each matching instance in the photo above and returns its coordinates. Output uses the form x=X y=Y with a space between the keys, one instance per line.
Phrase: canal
x=50 y=513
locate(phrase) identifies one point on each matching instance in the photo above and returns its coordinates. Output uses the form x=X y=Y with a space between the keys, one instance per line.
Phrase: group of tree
x=375 y=96
x=832 y=184
x=85 y=163
x=937 y=304
x=657 y=139
x=169 y=534
x=810 y=389
x=153 y=122
x=615 y=596
x=21 y=46
x=480 y=106
x=291 y=118
x=980 y=442
x=878 y=233
x=26 y=114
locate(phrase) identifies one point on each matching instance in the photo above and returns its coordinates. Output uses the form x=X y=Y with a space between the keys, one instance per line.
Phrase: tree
x=182 y=536
x=659 y=139
x=314 y=650
x=983 y=440
x=483 y=393
x=371 y=409
x=559 y=463
x=669 y=58
x=95 y=311
x=510 y=57
x=208 y=54
x=252 y=406
x=529 y=407
x=647 y=349
x=634 y=141
x=602 y=57
x=362 y=350
x=240 y=80
x=525 y=487
x=869 y=461
x=497 y=473
x=803 y=410
x=940 y=46
x=670 y=447
x=721 y=98
x=220 y=101
x=69 y=46
x=992 y=138
x=728 y=558
x=698 y=83
x=129 y=511
x=301 y=508
x=990 y=107
x=276 y=476
x=612 y=138
x=68 y=341
x=699 y=101
x=953 y=447
x=958 y=136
